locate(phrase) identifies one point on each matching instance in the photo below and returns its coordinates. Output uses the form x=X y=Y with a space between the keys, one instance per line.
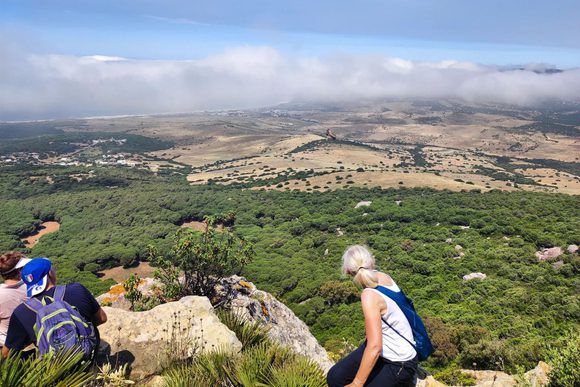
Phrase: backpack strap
x=34 y=304
x=398 y=333
x=381 y=290
x=59 y=292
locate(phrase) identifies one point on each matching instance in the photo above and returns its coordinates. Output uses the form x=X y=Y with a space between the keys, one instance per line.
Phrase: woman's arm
x=371 y=305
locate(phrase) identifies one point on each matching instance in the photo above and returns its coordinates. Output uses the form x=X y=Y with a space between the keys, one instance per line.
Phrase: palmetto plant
x=56 y=370
x=260 y=363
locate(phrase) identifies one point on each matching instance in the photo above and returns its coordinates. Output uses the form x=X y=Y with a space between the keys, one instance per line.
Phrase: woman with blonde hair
x=388 y=357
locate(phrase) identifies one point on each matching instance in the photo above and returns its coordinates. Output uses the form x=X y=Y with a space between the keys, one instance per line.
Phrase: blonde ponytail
x=358 y=261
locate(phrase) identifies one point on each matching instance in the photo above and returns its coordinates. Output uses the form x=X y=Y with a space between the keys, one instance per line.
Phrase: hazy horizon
x=64 y=58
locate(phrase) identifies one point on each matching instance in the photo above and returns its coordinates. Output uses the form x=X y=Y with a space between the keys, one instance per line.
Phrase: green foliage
x=132 y=293
x=565 y=361
x=250 y=334
x=264 y=365
x=203 y=260
x=59 y=370
x=454 y=377
x=339 y=292
x=521 y=304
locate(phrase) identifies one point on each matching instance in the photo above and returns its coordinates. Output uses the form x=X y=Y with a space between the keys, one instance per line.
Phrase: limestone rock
x=115 y=297
x=155 y=381
x=285 y=328
x=458 y=247
x=429 y=381
x=538 y=377
x=339 y=232
x=363 y=204
x=552 y=252
x=146 y=339
x=558 y=264
x=448 y=240
x=491 y=378
x=572 y=249
x=471 y=276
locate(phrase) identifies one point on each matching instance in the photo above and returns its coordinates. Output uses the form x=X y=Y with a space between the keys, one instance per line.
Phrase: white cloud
x=43 y=86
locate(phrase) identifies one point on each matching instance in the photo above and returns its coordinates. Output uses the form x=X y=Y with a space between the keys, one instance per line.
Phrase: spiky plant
x=250 y=333
x=60 y=370
x=300 y=372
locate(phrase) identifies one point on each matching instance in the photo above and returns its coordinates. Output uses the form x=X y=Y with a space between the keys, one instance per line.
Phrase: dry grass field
x=439 y=144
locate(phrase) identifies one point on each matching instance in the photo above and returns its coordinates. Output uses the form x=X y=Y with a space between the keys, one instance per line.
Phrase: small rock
x=464 y=227
x=552 y=252
x=471 y=276
x=506 y=238
x=448 y=240
x=437 y=224
x=458 y=247
x=572 y=249
x=429 y=381
x=557 y=265
x=325 y=252
x=339 y=232
x=365 y=214
x=363 y=204
x=398 y=202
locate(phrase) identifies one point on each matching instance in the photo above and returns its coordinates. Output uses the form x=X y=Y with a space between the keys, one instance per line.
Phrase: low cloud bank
x=50 y=86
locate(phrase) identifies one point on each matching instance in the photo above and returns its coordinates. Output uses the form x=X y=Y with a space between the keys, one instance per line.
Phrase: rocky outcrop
x=572 y=249
x=148 y=340
x=285 y=328
x=471 y=276
x=363 y=204
x=550 y=253
x=429 y=381
x=491 y=378
x=538 y=377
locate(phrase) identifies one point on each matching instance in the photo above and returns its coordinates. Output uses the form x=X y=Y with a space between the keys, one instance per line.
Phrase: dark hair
x=7 y=263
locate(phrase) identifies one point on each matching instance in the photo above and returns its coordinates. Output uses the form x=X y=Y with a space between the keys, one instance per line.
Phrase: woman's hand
x=355 y=383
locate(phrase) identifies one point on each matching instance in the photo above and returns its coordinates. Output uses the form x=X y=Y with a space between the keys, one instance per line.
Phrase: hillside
x=427 y=239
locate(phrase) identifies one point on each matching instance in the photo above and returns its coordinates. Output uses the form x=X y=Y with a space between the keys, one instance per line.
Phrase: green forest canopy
x=110 y=219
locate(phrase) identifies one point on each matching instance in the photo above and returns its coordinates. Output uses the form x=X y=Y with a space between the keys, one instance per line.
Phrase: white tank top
x=395 y=348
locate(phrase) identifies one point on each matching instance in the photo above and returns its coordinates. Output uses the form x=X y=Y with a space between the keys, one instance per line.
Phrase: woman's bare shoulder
x=385 y=279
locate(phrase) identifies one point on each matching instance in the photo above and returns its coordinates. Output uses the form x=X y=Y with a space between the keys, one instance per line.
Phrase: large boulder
x=148 y=340
x=284 y=327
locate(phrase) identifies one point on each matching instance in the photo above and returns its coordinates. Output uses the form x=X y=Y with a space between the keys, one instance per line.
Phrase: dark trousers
x=385 y=373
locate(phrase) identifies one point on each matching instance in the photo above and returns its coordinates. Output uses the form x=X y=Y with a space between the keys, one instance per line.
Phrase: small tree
x=197 y=263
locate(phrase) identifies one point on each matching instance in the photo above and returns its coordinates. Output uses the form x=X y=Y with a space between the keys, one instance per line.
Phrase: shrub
x=565 y=362
x=249 y=333
x=454 y=377
x=203 y=260
x=63 y=369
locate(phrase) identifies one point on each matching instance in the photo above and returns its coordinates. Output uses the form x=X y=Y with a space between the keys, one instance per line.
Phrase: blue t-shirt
x=21 y=328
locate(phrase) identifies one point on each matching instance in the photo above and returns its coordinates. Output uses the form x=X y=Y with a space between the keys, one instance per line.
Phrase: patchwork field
x=440 y=144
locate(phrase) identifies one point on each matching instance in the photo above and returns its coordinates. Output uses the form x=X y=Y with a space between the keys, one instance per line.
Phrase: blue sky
x=500 y=32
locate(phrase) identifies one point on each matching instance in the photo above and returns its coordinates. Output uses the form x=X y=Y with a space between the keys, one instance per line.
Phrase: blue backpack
x=423 y=344
x=60 y=327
